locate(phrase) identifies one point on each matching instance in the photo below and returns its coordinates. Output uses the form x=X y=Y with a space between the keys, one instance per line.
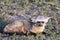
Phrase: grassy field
x=39 y=7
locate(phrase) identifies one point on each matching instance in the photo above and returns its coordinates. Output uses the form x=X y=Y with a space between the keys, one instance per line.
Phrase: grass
x=45 y=8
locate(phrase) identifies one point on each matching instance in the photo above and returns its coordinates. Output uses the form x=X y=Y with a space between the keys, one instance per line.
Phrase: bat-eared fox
x=21 y=24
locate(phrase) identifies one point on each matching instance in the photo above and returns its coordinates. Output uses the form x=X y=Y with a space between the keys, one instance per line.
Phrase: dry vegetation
x=32 y=7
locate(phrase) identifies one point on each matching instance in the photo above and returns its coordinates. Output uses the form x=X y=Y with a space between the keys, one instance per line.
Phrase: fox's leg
x=7 y=29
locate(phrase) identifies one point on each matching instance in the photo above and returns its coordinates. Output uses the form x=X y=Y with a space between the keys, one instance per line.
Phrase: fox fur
x=22 y=25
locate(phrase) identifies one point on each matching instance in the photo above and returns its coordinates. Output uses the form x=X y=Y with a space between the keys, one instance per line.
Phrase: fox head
x=40 y=20
x=39 y=23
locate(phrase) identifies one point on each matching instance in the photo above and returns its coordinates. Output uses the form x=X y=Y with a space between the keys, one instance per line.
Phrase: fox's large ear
x=46 y=19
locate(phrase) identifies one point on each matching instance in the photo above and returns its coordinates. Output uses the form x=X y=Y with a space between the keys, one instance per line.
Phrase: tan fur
x=37 y=29
x=14 y=27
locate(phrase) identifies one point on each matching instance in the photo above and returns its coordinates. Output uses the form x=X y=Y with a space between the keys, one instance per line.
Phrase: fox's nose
x=39 y=24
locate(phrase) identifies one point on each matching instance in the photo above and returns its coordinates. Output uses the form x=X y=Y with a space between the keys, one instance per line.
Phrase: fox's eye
x=42 y=22
x=38 y=21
